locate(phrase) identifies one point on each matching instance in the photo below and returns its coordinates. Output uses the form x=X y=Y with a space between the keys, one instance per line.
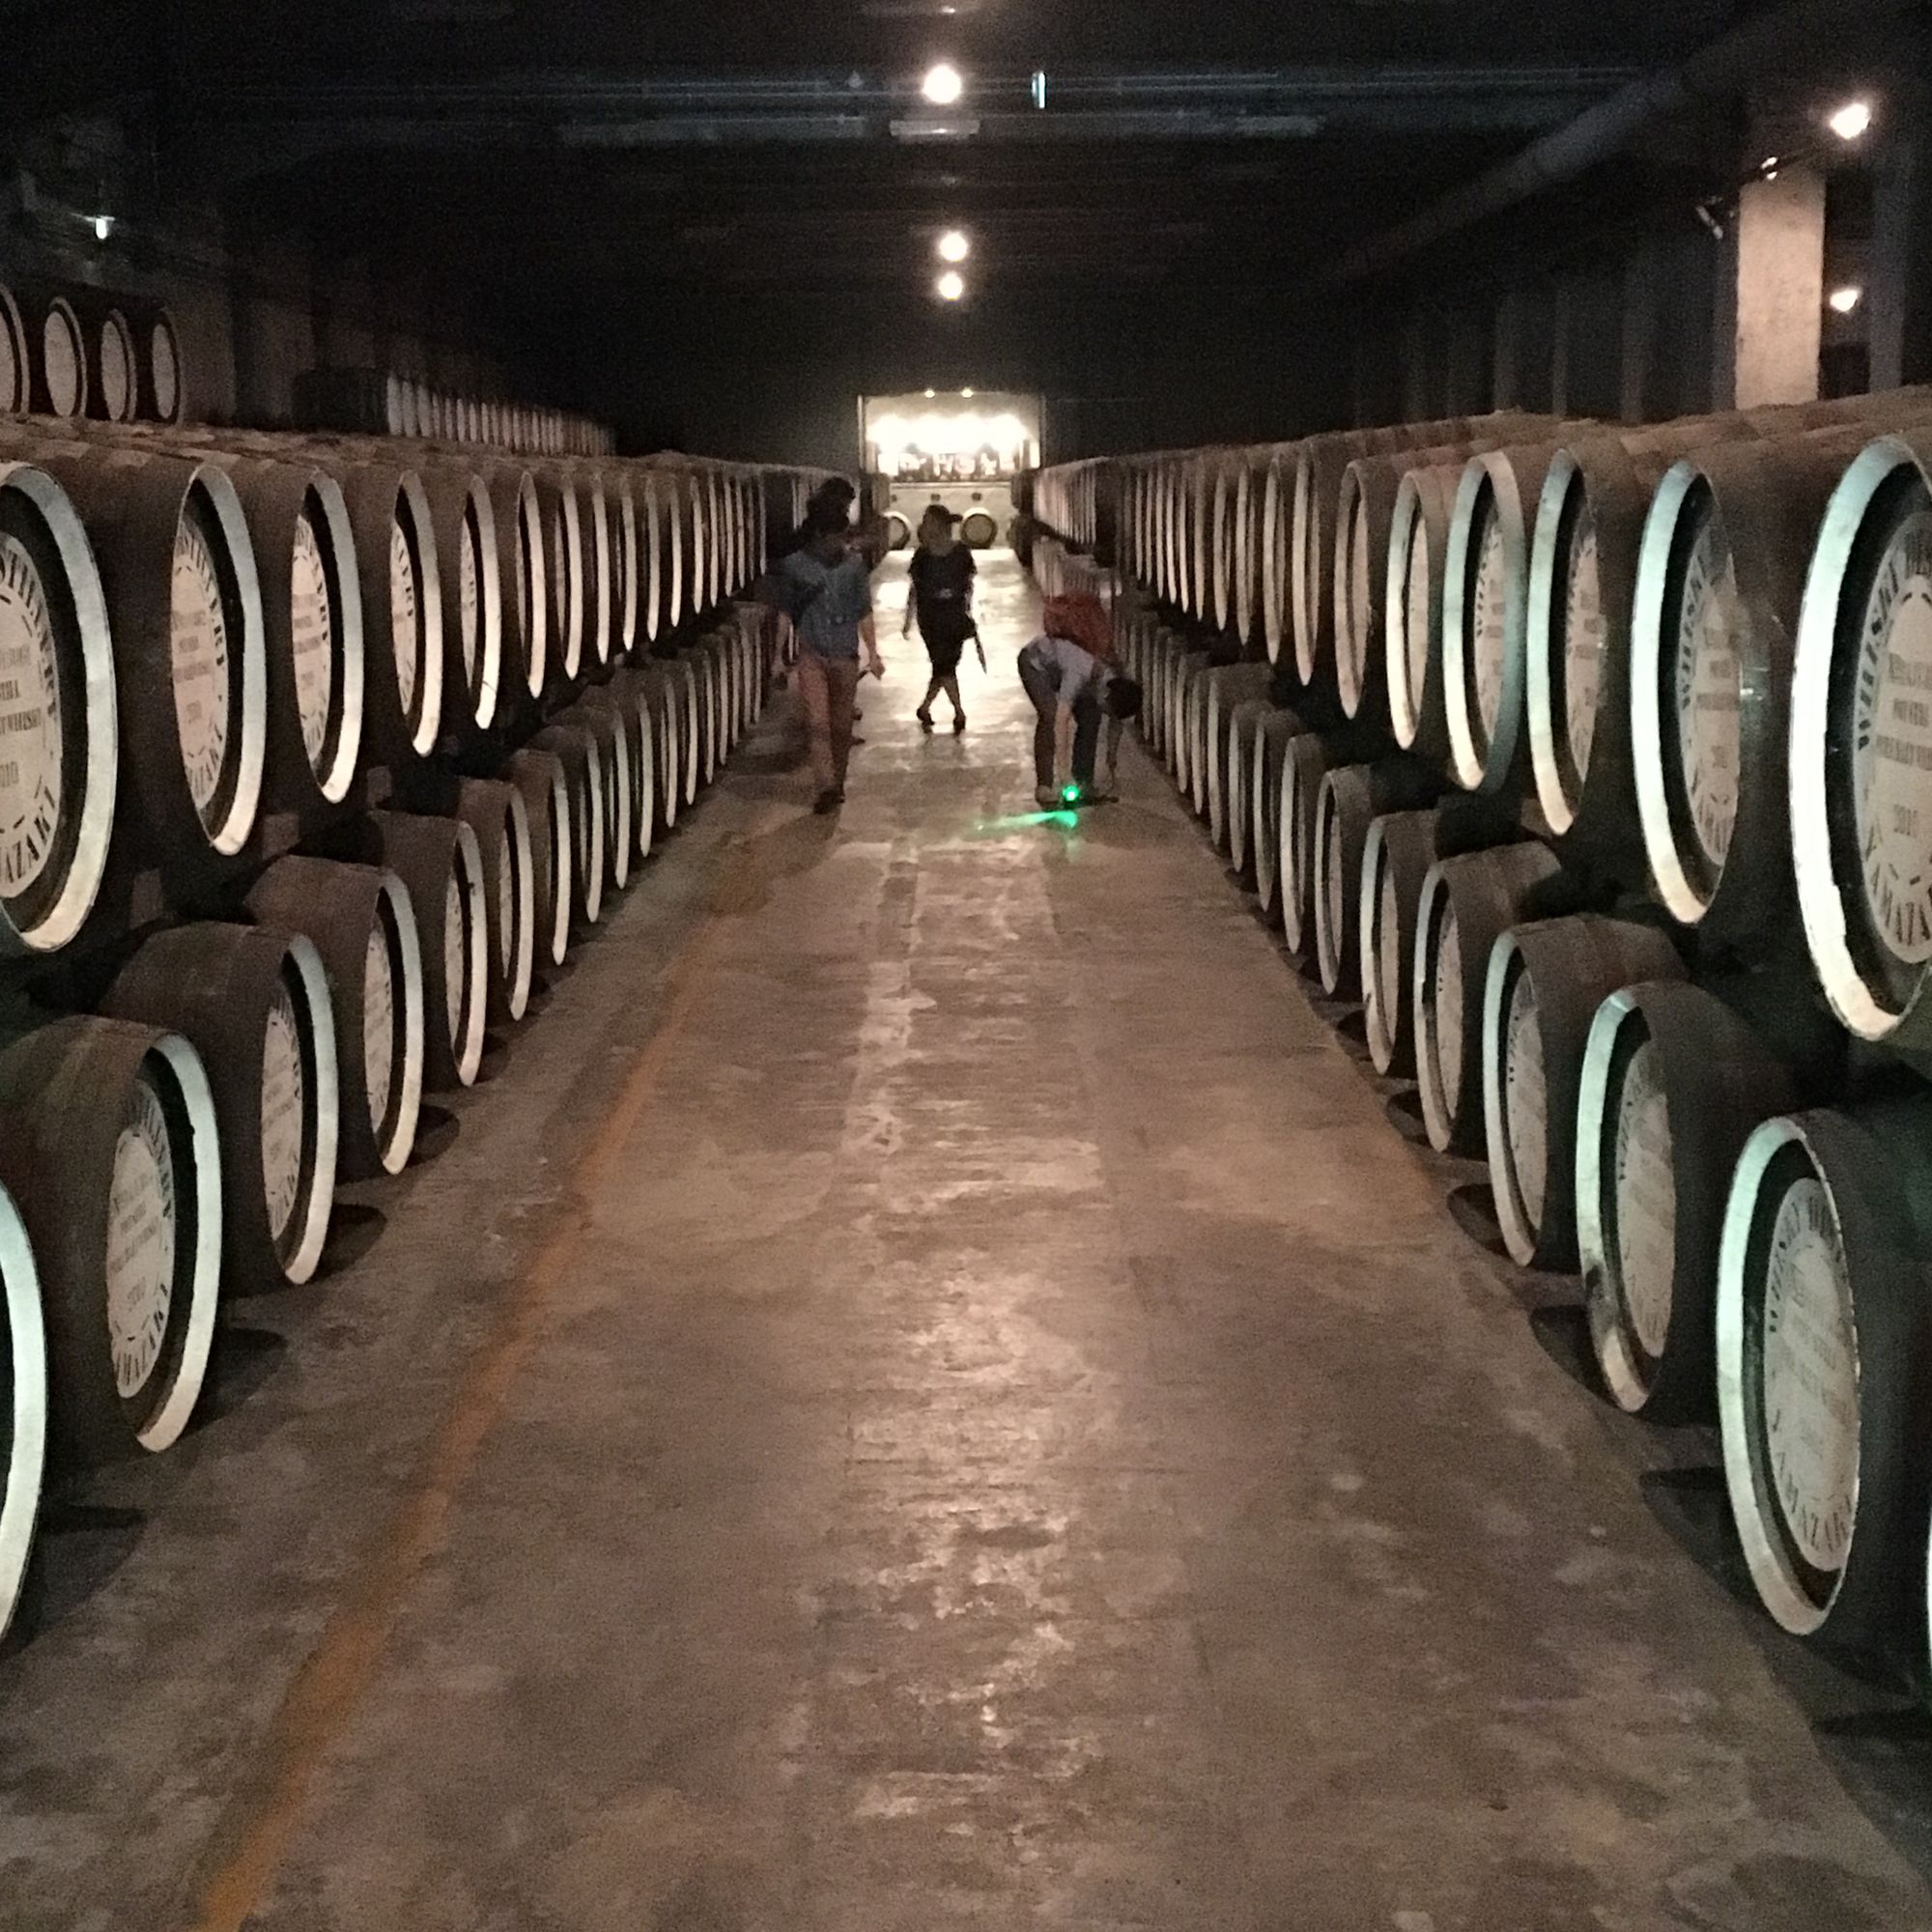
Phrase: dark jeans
x=1042 y=686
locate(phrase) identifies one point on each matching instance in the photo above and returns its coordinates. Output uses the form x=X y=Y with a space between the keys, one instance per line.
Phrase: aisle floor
x=928 y=1389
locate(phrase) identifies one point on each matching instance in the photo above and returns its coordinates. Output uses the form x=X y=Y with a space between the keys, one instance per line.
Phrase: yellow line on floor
x=322 y=1697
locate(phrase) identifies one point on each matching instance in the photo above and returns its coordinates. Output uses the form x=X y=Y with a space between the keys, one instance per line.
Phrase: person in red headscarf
x=1068 y=674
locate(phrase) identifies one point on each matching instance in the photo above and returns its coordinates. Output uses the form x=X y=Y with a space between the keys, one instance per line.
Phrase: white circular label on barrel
x=506 y=903
x=1891 y=743
x=198 y=650
x=166 y=370
x=470 y=598
x=61 y=363
x=379 y=1023
x=30 y=723
x=140 y=1263
x=1645 y=1200
x=1709 y=687
x=1448 y=1008
x=1810 y=1393
x=1416 y=614
x=454 y=987
x=1488 y=627
x=117 y=371
x=1526 y=1099
x=1582 y=641
x=312 y=637
x=283 y=1112
x=405 y=603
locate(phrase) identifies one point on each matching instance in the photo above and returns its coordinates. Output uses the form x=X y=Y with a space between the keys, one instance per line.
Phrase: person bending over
x=941 y=597
x=829 y=586
x=1068 y=674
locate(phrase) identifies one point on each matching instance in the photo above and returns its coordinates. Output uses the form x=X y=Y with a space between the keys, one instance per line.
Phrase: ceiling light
x=954 y=246
x=951 y=286
x=930 y=393
x=967 y=394
x=104 y=227
x=943 y=84
x=1851 y=120
x=1845 y=299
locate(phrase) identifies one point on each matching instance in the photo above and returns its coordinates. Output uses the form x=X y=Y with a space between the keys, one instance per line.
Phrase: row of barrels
x=77 y=352
x=381 y=402
x=1742 y=1190
x=178 y=1138
x=212 y=642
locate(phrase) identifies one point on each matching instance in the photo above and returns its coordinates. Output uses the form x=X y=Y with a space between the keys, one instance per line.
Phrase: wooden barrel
x=1544 y=982
x=629 y=694
x=564 y=572
x=363 y=925
x=1860 y=759
x=109 y=1147
x=113 y=378
x=544 y=786
x=523 y=576
x=58 y=721
x=23 y=1406
x=1199 y=599
x=16 y=377
x=184 y=615
x=59 y=345
x=1418 y=553
x=577 y=750
x=1674 y=1084
x=1822 y=1367
x=678 y=600
x=494 y=810
x=599 y=588
x=1190 y=665
x=654 y=584
x=687 y=694
x=1272 y=739
x=1277 y=494
x=1246 y=534
x=1348 y=802
x=1234 y=804
x=1469 y=902
x=401 y=587
x=1396 y=857
x=607 y=725
x=305 y=560
x=441 y=862
x=1224 y=688
x=978 y=531
x=1222 y=472
x=707 y=658
x=254 y=1002
x=1304 y=763
x=469 y=558
x=626 y=561
x=162 y=387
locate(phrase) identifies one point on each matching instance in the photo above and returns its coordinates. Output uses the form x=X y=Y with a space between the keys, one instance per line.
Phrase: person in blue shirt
x=827 y=593
x=1068 y=674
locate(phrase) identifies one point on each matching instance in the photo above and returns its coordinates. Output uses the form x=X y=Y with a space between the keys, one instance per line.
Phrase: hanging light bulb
x=943 y=85
x=954 y=246
x=951 y=286
x=1851 y=121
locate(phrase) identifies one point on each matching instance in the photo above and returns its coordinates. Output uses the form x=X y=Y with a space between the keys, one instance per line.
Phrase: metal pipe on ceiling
x=1761 y=48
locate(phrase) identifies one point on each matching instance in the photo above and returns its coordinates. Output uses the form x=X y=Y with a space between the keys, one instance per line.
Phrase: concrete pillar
x=1771 y=293
x=1898 y=282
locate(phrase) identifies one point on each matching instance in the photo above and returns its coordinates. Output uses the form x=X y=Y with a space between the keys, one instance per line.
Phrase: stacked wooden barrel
x=315 y=750
x=1661 y=954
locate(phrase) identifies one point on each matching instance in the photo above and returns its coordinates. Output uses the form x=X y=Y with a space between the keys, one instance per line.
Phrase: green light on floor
x=1070 y=794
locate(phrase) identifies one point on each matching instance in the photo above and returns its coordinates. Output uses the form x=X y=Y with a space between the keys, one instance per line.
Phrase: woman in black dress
x=941 y=597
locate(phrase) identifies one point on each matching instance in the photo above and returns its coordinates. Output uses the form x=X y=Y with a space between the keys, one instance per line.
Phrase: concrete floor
x=927 y=1391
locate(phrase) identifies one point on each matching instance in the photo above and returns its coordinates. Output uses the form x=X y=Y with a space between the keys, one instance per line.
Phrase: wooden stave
x=215 y=986
x=1577 y=962
x=1720 y=1081
x=338 y=906
x=66 y=1089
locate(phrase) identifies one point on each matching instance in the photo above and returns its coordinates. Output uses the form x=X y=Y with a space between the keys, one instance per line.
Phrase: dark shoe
x=925 y=720
x=828 y=801
x=960 y=721
x=856 y=739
